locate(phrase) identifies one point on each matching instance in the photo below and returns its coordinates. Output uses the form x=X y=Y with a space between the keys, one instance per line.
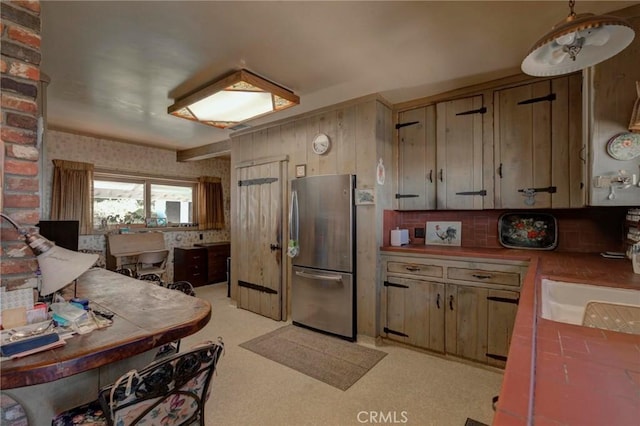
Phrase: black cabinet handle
x=412 y=268
x=451 y=302
x=441 y=173
x=500 y=170
x=438 y=301
x=431 y=176
x=481 y=277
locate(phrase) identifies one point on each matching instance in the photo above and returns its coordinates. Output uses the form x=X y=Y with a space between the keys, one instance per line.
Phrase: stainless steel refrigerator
x=322 y=247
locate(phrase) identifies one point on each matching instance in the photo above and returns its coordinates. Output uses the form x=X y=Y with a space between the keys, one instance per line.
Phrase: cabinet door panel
x=459 y=153
x=539 y=143
x=515 y=147
x=395 y=313
x=416 y=158
x=502 y=308
x=467 y=322
x=415 y=312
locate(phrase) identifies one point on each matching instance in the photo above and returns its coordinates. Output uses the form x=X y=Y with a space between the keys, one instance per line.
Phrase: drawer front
x=415 y=269
x=484 y=276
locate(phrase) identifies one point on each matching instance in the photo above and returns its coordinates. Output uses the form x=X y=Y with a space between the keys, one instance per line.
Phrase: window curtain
x=210 y=203
x=72 y=193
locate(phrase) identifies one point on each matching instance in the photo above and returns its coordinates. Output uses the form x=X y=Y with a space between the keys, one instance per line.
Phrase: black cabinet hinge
x=550 y=97
x=482 y=192
x=256 y=287
x=482 y=110
x=408 y=123
x=549 y=189
x=388 y=284
x=258 y=181
x=498 y=357
x=397 y=333
x=503 y=299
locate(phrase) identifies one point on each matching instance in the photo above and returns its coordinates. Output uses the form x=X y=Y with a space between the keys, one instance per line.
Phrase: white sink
x=611 y=308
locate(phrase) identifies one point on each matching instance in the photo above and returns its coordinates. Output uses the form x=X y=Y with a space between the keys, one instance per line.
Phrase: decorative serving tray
x=525 y=230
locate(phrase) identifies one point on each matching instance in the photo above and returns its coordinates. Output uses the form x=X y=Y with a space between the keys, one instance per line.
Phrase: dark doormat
x=471 y=422
x=329 y=359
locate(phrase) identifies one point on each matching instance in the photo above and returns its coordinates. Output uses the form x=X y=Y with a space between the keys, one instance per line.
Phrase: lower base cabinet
x=415 y=312
x=479 y=322
x=473 y=322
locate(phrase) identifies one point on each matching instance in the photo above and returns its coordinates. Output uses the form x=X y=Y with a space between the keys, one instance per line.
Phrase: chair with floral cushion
x=172 y=391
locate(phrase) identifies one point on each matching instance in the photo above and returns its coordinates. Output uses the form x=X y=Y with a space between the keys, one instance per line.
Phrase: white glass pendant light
x=578 y=42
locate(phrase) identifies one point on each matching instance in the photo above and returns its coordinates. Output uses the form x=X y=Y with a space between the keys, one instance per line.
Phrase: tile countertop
x=556 y=373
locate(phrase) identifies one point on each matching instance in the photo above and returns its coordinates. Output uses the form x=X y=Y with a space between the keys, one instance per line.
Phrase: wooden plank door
x=260 y=217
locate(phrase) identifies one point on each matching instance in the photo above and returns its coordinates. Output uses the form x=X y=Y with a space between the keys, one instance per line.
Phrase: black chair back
x=172 y=391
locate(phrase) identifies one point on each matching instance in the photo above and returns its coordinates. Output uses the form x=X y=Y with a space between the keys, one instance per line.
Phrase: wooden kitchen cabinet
x=464 y=307
x=538 y=144
x=415 y=312
x=440 y=156
x=217 y=254
x=417 y=159
x=190 y=264
x=479 y=323
x=459 y=158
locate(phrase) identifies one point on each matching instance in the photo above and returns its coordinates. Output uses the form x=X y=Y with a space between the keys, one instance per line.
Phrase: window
x=140 y=202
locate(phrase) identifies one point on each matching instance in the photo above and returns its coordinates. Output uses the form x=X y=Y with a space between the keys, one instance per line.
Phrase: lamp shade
x=578 y=42
x=59 y=267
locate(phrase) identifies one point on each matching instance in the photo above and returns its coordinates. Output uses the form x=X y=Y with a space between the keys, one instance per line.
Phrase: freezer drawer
x=323 y=300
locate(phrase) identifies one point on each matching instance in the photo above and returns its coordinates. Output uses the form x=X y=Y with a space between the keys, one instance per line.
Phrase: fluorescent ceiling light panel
x=235 y=98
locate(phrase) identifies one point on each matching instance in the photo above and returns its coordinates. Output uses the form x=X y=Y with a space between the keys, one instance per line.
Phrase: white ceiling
x=115 y=66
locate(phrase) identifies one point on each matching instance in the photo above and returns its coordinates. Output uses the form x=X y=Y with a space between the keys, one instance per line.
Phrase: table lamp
x=58 y=266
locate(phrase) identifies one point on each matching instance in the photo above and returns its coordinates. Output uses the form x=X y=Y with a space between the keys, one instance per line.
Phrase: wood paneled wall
x=361 y=134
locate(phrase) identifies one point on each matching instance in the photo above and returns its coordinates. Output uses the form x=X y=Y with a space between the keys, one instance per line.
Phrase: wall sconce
x=578 y=42
x=58 y=266
x=233 y=99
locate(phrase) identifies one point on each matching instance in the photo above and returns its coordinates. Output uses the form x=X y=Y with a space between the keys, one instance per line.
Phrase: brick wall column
x=20 y=77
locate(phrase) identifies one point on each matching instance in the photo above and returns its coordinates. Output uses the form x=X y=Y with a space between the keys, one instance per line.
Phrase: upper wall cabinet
x=440 y=156
x=538 y=145
x=417 y=159
x=459 y=154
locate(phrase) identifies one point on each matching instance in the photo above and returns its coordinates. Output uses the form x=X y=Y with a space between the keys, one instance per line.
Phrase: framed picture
x=364 y=197
x=443 y=233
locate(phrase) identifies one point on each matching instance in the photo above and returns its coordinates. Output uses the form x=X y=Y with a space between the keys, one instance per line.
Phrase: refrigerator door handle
x=337 y=278
x=293 y=248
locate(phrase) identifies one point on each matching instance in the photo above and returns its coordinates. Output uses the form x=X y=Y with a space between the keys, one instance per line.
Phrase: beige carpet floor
x=406 y=387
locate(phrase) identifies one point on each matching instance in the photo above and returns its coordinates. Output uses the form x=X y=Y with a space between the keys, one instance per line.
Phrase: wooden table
x=146 y=316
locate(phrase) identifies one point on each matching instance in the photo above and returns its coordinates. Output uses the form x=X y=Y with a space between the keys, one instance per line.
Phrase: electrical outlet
x=201 y=236
x=418 y=232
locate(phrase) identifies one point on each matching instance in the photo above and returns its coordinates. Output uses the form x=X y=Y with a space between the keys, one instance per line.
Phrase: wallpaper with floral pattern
x=127 y=157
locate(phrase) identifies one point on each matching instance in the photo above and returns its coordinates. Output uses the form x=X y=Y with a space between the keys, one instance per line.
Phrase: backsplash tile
x=587 y=230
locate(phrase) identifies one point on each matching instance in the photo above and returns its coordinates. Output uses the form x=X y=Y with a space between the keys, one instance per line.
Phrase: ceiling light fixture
x=578 y=42
x=233 y=99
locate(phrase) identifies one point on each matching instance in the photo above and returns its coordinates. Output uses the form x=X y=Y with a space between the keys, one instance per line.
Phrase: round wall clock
x=321 y=144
